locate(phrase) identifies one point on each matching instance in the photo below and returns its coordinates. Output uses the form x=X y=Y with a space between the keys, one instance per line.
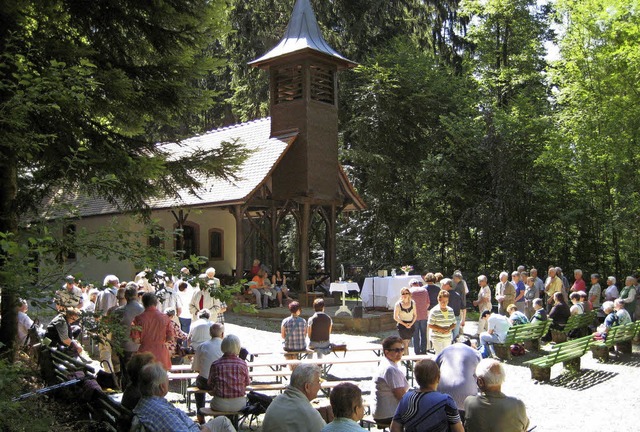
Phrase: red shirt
x=420 y=295
x=154 y=329
x=579 y=285
x=229 y=377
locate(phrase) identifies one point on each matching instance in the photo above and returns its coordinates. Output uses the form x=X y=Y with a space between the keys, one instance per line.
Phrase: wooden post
x=331 y=232
x=275 y=255
x=305 y=219
x=238 y=215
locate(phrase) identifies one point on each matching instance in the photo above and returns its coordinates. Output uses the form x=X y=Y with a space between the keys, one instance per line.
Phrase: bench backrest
x=580 y=321
x=525 y=332
x=621 y=333
x=570 y=349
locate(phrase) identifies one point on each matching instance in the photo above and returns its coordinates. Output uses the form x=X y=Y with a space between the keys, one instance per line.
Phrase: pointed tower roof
x=303 y=33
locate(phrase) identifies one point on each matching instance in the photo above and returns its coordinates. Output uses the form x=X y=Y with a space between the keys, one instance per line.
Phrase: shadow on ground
x=582 y=380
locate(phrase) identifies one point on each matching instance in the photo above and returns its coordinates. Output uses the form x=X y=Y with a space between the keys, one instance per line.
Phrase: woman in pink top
x=579 y=284
x=152 y=329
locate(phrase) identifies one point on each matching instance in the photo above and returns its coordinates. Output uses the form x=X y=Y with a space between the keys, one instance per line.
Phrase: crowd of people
x=432 y=312
x=182 y=315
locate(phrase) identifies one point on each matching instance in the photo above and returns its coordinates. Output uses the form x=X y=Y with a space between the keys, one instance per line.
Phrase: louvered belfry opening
x=288 y=84
x=322 y=84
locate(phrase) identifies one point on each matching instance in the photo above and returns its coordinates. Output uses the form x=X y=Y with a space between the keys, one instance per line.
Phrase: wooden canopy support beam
x=238 y=214
x=304 y=222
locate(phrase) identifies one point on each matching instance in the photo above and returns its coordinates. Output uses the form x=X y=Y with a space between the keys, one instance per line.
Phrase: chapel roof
x=303 y=34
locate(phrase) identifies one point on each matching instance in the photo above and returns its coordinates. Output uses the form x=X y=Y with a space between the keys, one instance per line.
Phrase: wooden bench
x=236 y=417
x=110 y=413
x=568 y=353
x=325 y=386
x=575 y=322
x=619 y=337
x=368 y=422
x=529 y=334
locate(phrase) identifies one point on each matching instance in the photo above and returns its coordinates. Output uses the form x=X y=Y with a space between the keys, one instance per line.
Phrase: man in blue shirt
x=157 y=414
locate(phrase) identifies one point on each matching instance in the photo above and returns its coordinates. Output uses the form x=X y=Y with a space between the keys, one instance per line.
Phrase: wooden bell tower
x=303 y=89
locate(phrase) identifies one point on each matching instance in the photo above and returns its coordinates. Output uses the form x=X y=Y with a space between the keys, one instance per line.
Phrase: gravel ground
x=548 y=404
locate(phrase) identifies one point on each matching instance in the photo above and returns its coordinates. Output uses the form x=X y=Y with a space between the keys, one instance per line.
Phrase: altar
x=386 y=290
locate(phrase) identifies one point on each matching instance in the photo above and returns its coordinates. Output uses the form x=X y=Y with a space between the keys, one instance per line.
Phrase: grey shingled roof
x=303 y=33
x=254 y=135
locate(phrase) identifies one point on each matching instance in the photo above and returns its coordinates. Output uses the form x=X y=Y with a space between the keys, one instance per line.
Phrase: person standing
x=628 y=295
x=24 y=323
x=457 y=364
x=214 y=284
x=483 y=303
x=505 y=293
x=420 y=296
x=441 y=322
x=69 y=295
x=530 y=294
x=152 y=329
x=520 y=289
x=319 y=330
x=455 y=303
x=539 y=283
x=595 y=292
x=404 y=313
x=611 y=293
x=460 y=286
x=185 y=292
x=578 y=284
x=202 y=299
x=129 y=312
x=552 y=285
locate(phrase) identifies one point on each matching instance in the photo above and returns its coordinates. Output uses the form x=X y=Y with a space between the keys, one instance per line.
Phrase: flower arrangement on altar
x=407 y=268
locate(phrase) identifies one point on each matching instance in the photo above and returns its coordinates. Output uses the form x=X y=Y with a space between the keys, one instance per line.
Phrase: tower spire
x=303 y=33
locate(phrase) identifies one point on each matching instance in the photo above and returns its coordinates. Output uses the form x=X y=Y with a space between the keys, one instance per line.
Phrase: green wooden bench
x=575 y=322
x=529 y=334
x=568 y=353
x=619 y=337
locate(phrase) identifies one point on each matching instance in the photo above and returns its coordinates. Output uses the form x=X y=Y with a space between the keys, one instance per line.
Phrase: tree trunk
x=8 y=224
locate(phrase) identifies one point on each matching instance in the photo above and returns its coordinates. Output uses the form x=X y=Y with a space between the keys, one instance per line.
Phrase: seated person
x=515 y=316
x=559 y=314
x=621 y=312
x=323 y=282
x=205 y=355
x=294 y=331
x=584 y=299
x=577 y=307
x=157 y=414
x=498 y=326
x=199 y=332
x=279 y=283
x=611 y=320
x=426 y=409
x=61 y=333
x=259 y=289
x=292 y=411
x=492 y=410
x=540 y=313
x=348 y=408
x=175 y=345
x=229 y=378
x=131 y=394
x=389 y=381
x=319 y=329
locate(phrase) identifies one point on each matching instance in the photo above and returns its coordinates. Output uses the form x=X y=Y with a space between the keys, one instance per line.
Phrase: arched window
x=186 y=243
x=216 y=244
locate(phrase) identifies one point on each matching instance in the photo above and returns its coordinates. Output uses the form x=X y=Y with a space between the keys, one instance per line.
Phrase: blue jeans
x=420 y=337
x=185 y=324
x=456 y=331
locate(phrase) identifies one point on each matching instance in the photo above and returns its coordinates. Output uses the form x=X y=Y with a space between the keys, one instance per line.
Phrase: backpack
x=257 y=403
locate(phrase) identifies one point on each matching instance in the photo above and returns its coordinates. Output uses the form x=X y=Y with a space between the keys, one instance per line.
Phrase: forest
x=482 y=135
